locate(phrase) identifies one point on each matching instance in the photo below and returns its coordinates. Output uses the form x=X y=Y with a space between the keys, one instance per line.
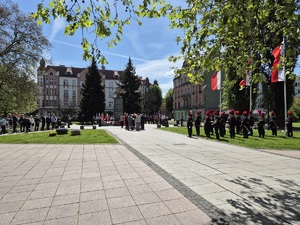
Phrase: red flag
x=277 y=75
x=216 y=81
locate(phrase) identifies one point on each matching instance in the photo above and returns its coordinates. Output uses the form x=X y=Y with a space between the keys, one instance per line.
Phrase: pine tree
x=93 y=96
x=129 y=84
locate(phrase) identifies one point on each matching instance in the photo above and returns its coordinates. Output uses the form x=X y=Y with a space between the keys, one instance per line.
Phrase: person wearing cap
x=198 y=122
x=273 y=124
x=190 y=124
x=207 y=123
x=251 y=122
x=246 y=125
x=289 y=124
x=261 y=125
x=238 y=122
x=232 y=123
x=217 y=124
x=223 y=124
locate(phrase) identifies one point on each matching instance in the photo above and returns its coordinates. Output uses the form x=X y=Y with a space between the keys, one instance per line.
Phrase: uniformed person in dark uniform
x=207 y=123
x=251 y=122
x=223 y=124
x=238 y=122
x=232 y=123
x=246 y=125
x=289 y=125
x=273 y=124
x=190 y=124
x=217 y=124
x=261 y=125
x=198 y=122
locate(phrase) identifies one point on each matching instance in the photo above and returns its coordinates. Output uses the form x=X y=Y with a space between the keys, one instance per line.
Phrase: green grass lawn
x=86 y=137
x=281 y=142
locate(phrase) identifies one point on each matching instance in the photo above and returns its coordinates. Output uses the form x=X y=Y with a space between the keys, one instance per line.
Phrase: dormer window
x=51 y=73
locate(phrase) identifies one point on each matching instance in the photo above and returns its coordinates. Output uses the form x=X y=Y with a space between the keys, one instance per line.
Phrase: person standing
x=198 y=122
x=48 y=122
x=207 y=124
x=232 y=123
x=217 y=124
x=261 y=125
x=238 y=122
x=122 y=120
x=14 y=123
x=246 y=125
x=3 y=125
x=21 y=122
x=289 y=124
x=222 y=124
x=138 y=122
x=190 y=125
x=251 y=122
x=37 y=123
x=273 y=124
x=53 y=121
x=43 y=122
x=143 y=121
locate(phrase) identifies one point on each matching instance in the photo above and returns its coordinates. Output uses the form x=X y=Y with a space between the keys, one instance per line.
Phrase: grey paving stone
x=93 y=206
x=194 y=217
x=92 y=195
x=30 y=216
x=96 y=218
x=62 y=221
x=6 y=218
x=65 y=199
x=180 y=205
x=138 y=189
x=8 y=207
x=37 y=203
x=169 y=194
x=116 y=192
x=154 y=210
x=167 y=219
x=61 y=211
x=145 y=198
x=128 y=214
x=120 y=202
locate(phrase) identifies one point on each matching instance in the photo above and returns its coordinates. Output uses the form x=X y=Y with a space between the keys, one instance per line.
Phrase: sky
x=148 y=46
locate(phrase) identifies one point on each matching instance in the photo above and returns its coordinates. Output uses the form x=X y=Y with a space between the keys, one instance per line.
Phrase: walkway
x=152 y=177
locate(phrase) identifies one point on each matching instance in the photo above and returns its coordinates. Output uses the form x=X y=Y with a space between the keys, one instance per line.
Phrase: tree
x=153 y=99
x=169 y=101
x=129 y=85
x=296 y=108
x=217 y=35
x=21 y=47
x=93 y=96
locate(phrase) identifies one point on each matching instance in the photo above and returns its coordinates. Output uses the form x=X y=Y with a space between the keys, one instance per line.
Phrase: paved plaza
x=151 y=177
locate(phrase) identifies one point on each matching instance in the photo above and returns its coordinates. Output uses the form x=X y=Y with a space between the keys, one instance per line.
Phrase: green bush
x=75 y=132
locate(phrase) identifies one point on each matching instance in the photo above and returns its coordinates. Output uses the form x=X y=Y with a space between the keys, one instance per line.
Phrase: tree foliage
x=93 y=96
x=153 y=99
x=21 y=47
x=217 y=35
x=129 y=89
x=169 y=101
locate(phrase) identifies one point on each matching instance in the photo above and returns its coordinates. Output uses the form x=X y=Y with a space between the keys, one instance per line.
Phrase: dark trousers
x=190 y=130
x=289 y=131
x=217 y=132
x=207 y=131
x=197 y=129
x=14 y=127
x=232 y=132
x=261 y=132
x=274 y=131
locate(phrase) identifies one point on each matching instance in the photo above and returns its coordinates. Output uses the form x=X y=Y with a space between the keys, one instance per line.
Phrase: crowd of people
x=28 y=123
x=215 y=123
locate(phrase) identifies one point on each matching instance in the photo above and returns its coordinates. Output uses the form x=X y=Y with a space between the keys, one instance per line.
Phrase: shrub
x=61 y=131
x=75 y=132
x=52 y=133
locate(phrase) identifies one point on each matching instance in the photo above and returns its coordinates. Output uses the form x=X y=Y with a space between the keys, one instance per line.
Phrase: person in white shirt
x=3 y=125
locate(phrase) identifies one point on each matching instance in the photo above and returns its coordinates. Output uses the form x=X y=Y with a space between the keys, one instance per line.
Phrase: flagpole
x=284 y=87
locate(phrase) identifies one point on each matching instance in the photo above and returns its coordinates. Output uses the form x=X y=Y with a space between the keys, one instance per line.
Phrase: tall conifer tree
x=93 y=96
x=130 y=84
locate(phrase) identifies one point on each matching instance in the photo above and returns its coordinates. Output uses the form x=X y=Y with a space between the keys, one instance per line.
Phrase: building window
x=111 y=84
x=110 y=104
x=74 y=93
x=73 y=83
x=81 y=82
x=66 y=82
x=66 y=103
x=66 y=92
x=51 y=81
x=110 y=94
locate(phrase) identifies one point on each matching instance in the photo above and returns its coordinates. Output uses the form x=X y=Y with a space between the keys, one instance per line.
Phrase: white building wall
x=297 y=87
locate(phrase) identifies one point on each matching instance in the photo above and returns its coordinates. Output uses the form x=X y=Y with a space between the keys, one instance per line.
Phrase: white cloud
x=58 y=25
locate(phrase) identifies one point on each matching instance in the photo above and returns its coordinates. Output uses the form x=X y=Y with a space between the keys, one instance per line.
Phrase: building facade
x=193 y=97
x=59 y=88
x=297 y=86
